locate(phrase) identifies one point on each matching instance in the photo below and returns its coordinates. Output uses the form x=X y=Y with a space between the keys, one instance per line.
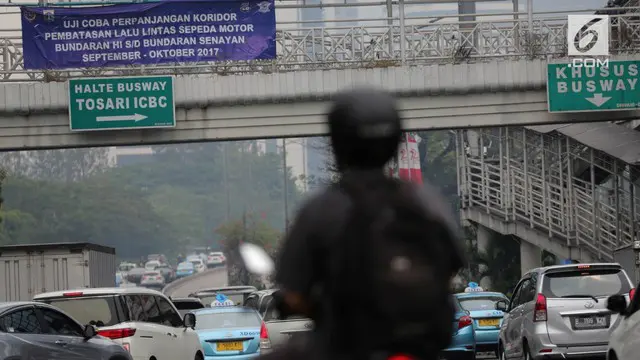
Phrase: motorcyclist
x=365 y=132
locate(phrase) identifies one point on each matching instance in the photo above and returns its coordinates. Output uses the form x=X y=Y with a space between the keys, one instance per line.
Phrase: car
x=31 y=330
x=463 y=342
x=153 y=279
x=135 y=275
x=198 y=264
x=623 y=344
x=185 y=269
x=185 y=305
x=152 y=265
x=481 y=306
x=167 y=271
x=158 y=257
x=280 y=332
x=215 y=259
x=237 y=294
x=126 y=266
x=142 y=320
x=559 y=311
x=230 y=332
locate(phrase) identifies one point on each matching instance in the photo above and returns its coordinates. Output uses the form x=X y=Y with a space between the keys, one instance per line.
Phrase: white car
x=215 y=259
x=624 y=343
x=198 y=264
x=151 y=265
x=143 y=321
x=153 y=279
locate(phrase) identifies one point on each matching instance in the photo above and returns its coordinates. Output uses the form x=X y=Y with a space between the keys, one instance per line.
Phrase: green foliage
x=247 y=229
x=177 y=199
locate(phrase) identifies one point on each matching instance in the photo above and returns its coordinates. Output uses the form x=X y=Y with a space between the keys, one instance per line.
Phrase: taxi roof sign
x=222 y=300
x=473 y=287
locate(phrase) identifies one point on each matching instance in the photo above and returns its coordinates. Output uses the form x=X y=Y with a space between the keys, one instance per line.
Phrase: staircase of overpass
x=573 y=190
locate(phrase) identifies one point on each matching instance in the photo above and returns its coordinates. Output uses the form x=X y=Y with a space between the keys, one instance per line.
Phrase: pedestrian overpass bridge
x=553 y=189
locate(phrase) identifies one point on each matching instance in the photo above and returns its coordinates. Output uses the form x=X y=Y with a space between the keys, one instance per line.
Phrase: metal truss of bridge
x=388 y=42
x=573 y=190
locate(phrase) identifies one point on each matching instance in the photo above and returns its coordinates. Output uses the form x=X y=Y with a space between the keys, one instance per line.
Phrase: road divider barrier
x=177 y=283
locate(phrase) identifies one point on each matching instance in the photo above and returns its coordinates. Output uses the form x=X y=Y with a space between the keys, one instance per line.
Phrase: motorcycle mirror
x=256 y=259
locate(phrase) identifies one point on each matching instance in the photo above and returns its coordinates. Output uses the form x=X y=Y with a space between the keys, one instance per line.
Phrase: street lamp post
x=285 y=178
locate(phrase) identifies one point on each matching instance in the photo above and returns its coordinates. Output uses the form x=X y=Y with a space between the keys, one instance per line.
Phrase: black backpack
x=393 y=257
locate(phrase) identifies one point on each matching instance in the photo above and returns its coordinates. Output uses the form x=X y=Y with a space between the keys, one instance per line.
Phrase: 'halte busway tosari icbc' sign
x=145 y=34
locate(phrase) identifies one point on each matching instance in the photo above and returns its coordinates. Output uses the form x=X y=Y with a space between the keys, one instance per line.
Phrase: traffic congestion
x=554 y=312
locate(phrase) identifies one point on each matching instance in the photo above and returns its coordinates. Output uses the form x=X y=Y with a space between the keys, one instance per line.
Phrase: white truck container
x=28 y=270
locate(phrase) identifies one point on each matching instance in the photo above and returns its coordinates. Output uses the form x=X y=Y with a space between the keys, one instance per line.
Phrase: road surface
x=210 y=278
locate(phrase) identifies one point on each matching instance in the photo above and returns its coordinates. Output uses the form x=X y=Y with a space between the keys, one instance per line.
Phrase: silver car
x=560 y=312
x=39 y=331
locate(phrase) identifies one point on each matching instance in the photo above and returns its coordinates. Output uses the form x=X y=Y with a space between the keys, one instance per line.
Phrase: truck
x=628 y=257
x=28 y=270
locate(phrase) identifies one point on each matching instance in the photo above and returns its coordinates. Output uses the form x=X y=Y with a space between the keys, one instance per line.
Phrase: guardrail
x=177 y=283
x=573 y=193
x=382 y=42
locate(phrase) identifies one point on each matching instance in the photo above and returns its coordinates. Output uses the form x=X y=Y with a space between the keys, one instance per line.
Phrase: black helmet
x=365 y=128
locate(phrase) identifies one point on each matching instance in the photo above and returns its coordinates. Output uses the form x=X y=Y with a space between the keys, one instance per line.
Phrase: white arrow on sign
x=134 y=117
x=598 y=100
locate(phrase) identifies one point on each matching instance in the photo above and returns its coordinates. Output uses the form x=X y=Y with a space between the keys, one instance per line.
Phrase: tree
x=229 y=179
x=63 y=165
x=249 y=229
x=40 y=212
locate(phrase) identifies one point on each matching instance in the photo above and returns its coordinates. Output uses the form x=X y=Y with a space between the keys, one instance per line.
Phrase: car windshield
x=188 y=305
x=151 y=265
x=476 y=303
x=196 y=262
x=227 y=320
x=585 y=283
x=98 y=311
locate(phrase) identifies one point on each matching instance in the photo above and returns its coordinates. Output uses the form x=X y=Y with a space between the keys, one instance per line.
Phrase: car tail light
x=540 y=313
x=117 y=333
x=72 y=294
x=464 y=322
x=265 y=343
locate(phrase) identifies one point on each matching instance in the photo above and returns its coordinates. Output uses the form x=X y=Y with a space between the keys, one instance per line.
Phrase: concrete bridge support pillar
x=530 y=257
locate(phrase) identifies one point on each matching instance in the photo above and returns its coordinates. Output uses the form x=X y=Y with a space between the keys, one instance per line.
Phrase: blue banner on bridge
x=151 y=33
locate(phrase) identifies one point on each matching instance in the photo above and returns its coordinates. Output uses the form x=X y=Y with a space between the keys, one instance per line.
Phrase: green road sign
x=599 y=88
x=121 y=103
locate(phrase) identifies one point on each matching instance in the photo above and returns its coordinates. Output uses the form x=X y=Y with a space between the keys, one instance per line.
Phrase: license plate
x=590 y=322
x=489 y=322
x=229 y=346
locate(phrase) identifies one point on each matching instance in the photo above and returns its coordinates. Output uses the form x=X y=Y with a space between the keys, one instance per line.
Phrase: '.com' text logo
x=588 y=35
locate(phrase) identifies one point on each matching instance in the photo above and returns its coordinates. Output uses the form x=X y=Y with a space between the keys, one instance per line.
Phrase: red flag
x=409 y=156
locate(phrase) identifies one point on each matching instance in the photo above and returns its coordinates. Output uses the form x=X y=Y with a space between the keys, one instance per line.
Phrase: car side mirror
x=189 y=320
x=617 y=304
x=502 y=305
x=89 y=331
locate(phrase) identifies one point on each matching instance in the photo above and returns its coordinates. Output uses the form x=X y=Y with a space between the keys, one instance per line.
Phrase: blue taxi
x=486 y=319
x=463 y=343
x=229 y=331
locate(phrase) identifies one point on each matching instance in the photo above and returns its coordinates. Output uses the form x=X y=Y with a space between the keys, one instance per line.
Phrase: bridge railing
x=577 y=195
x=377 y=42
